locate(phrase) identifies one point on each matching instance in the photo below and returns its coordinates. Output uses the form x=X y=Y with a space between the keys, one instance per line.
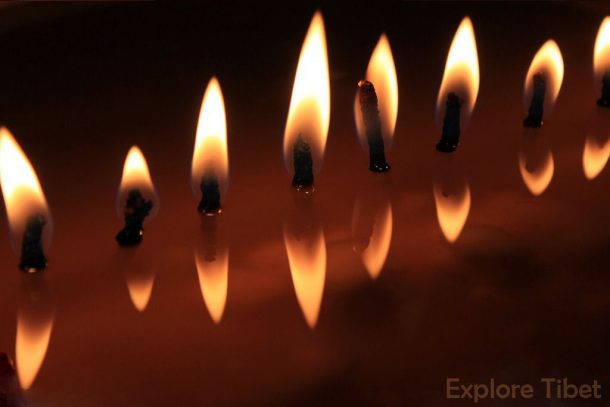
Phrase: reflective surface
x=521 y=294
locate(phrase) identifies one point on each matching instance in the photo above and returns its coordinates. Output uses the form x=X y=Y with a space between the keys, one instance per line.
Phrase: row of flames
x=309 y=114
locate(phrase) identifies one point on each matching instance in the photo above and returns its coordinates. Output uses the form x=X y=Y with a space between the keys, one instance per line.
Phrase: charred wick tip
x=536 y=110
x=136 y=210
x=210 y=194
x=303 y=165
x=32 y=255
x=604 y=101
x=450 y=137
x=372 y=124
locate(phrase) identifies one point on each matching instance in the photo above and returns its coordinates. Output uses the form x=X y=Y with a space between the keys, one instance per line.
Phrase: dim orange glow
x=381 y=72
x=601 y=54
x=307 y=259
x=594 y=157
x=537 y=180
x=461 y=75
x=548 y=62
x=211 y=152
x=309 y=113
x=136 y=176
x=375 y=255
x=452 y=211
x=23 y=195
x=213 y=281
x=140 y=287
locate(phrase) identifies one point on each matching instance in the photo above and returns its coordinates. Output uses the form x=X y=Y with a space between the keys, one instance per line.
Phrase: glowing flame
x=213 y=281
x=309 y=113
x=452 y=212
x=381 y=72
x=594 y=157
x=461 y=74
x=23 y=196
x=548 y=62
x=374 y=256
x=211 y=153
x=35 y=318
x=537 y=180
x=307 y=259
x=601 y=54
x=140 y=287
x=136 y=176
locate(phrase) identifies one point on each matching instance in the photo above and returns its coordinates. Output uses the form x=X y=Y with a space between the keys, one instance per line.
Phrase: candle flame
x=452 y=211
x=375 y=255
x=213 y=280
x=594 y=157
x=601 y=54
x=309 y=113
x=23 y=195
x=381 y=72
x=140 y=287
x=548 y=62
x=211 y=152
x=538 y=179
x=136 y=175
x=461 y=75
x=307 y=260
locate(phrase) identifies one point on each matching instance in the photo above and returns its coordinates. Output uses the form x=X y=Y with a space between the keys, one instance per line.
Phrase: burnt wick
x=372 y=124
x=210 y=194
x=303 y=165
x=32 y=255
x=604 y=101
x=136 y=210
x=450 y=137
x=536 y=110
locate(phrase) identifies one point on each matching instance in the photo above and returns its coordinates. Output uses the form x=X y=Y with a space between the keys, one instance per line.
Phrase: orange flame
x=538 y=180
x=213 y=281
x=601 y=54
x=452 y=212
x=461 y=74
x=307 y=259
x=211 y=152
x=375 y=255
x=548 y=62
x=140 y=287
x=23 y=195
x=309 y=113
x=35 y=317
x=136 y=175
x=381 y=72
x=594 y=157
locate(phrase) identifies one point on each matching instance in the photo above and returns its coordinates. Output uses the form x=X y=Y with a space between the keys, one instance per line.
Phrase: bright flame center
x=601 y=54
x=548 y=62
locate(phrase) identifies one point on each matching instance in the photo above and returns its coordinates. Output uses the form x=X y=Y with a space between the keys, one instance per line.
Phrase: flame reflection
x=536 y=163
x=595 y=157
x=452 y=209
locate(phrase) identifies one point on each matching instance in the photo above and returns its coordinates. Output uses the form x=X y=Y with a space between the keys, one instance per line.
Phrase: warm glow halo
x=211 y=152
x=461 y=69
x=309 y=112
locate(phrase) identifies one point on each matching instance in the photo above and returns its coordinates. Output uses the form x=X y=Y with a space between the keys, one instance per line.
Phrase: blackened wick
x=136 y=210
x=372 y=124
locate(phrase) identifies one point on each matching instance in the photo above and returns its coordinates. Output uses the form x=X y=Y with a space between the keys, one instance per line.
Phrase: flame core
x=381 y=72
x=548 y=62
x=601 y=53
x=23 y=195
x=213 y=282
x=375 y=255
x=594 y=157
x=136 y=175
x=452 y=211
x=307 y=260
x=211 y=151
x=309 y=112
x=461 y=75
x=537 y=180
